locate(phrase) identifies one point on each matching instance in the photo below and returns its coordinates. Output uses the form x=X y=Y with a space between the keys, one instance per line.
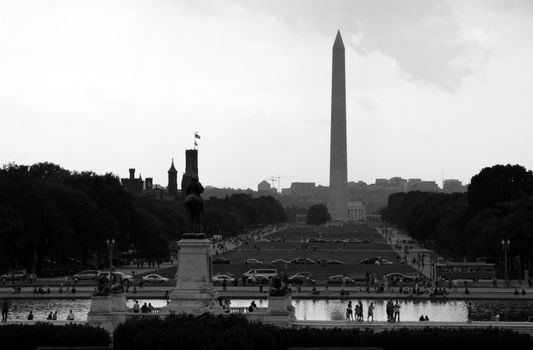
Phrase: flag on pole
x=196 y=136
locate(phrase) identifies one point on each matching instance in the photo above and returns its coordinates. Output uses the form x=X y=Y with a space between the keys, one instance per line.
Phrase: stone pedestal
x=107 y=311
x=280 y=312
x=194 y=292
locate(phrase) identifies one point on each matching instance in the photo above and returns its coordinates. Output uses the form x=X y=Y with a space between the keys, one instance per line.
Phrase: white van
x=266 y=273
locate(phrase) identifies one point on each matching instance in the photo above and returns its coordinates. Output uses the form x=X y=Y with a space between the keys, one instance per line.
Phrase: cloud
x=422 y=36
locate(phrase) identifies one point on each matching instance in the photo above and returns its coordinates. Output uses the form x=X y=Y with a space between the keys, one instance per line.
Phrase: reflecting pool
x=319 y=310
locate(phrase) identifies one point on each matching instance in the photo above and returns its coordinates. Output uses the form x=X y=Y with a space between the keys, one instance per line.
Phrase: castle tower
x=172 y=179
x=191 y=168
x=338 y=172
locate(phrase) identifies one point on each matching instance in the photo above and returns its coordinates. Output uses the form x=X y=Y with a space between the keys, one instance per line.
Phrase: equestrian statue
x=194 y=205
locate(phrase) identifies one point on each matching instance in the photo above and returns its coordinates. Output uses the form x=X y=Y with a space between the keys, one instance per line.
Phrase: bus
x=465 y=271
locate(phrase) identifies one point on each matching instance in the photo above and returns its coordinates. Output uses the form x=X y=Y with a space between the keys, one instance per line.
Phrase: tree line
x=498 y=205
x=52 y=216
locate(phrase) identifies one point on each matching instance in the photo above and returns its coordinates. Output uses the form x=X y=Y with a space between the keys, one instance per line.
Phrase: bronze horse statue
x=194 y=205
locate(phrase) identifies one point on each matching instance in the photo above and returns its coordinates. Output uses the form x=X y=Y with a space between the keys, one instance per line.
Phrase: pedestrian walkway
x=410 y=251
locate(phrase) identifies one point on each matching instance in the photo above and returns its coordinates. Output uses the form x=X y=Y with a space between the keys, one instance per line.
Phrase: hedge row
x=28 y=337
x=235 y=332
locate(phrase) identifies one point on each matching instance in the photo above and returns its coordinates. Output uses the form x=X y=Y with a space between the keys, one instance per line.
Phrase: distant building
x=172 y=187
x=303 y=189
x=263 y=186
x=423 y=186
x=191 y=168
x=148 y=183
x=133 y=185
x=453 y=186
x=356 y=211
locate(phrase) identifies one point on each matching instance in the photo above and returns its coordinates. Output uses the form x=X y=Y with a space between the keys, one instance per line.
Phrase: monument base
x=194 y=292
x=193 y=301
x=107 y=311
x=280 y=312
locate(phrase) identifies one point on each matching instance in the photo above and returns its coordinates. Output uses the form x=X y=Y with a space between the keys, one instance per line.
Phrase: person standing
x=469 y=313
x=370 y=312
x=397 y=311
x=360 y=314
x=5 y=310
x=136 y=307
x=349 y=312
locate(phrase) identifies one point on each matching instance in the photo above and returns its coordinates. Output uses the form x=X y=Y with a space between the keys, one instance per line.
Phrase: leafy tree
x=317 y=215
x=499 y=183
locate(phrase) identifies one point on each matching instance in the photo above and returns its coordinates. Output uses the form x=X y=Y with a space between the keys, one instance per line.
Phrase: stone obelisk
x=338 y=173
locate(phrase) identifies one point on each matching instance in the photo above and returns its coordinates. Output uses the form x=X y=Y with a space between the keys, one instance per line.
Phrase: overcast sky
x=432 y=87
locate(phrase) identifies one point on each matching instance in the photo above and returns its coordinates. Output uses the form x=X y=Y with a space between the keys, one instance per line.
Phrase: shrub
x=235 y=332
x=22 y=337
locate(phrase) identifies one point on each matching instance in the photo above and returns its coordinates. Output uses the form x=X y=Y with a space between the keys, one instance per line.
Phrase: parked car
x=90 y=275
x=280 y=261
x=125 y=278
x=303 y=261
x=413 y=276
x=220 y=260
x=376 y=260
x=219 y=278
x=340 y=279
x=259 y=279
x=300 y=279
x=155 y=278
x=334 y=262
x=260 y=275
x=358 y=277
x=254 y=262
x=398 y=277
x=17 y=275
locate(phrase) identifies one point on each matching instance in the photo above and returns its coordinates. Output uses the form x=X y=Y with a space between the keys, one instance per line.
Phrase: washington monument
x=338 y=177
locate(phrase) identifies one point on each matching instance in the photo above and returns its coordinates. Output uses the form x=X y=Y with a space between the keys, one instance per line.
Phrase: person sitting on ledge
x=467 y=291
x=516 y=292
x=523 y=292
x=421 y=318
x=30 y=316
x=426 y=318
x=70 y=316
x=315 y=292
x=144 y=309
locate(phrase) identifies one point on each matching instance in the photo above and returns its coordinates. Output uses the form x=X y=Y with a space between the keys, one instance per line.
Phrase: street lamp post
x=110 y=246
x=506 y=244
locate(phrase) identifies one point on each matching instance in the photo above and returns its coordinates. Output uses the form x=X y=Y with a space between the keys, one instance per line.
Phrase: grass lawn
x=349 y=253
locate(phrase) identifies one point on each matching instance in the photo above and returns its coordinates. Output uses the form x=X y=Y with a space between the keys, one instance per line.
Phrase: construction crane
x=277 y=179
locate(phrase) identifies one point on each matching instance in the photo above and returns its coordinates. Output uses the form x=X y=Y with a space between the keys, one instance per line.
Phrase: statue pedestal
x=194 y=292
x=280 y=312
x=107 y=311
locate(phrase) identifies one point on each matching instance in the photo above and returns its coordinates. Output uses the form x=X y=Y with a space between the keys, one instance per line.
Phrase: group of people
x=144 y=309
x=393 y=311
x=52 y=316
x=358 y=311
x=252 y=307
